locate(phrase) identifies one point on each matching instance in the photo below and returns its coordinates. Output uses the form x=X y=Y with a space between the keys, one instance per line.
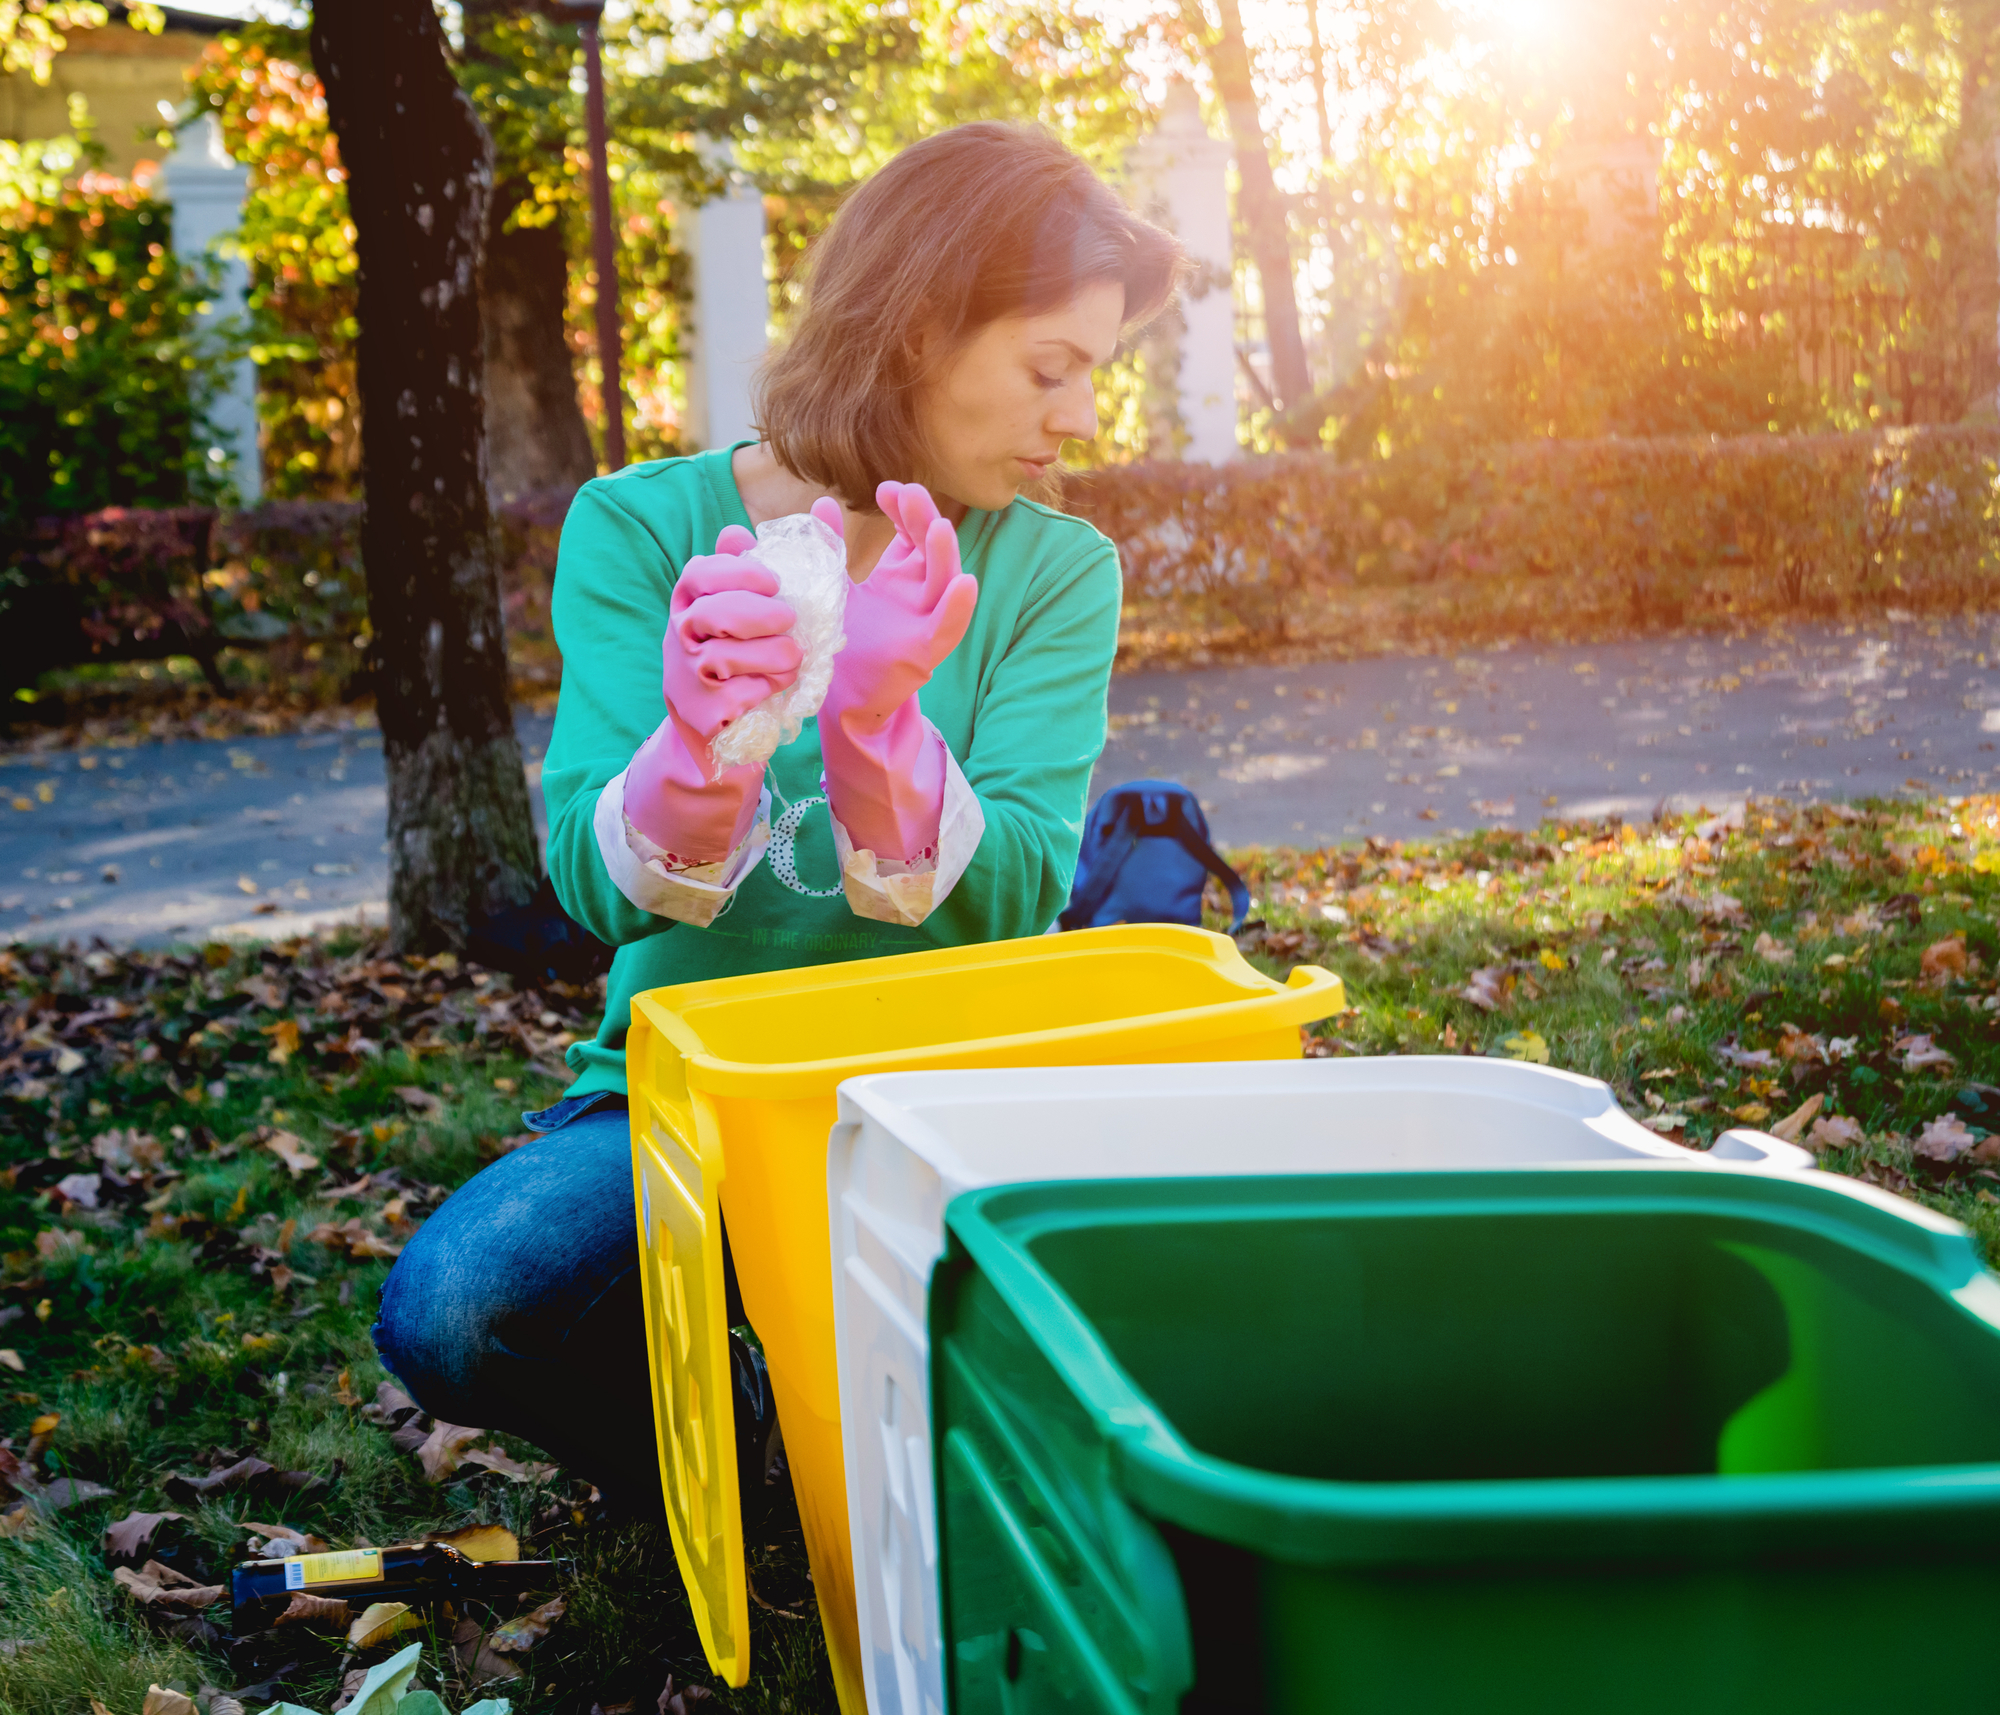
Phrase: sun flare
x=1522 y=19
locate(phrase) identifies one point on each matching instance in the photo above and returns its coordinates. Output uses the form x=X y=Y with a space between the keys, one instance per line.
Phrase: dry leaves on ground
x=291 y=1151
x=1942 y=961
x=1836 y=1131
x=1945 y=1138
x=132 y=1537
x=325 y=1613
x=155 y=1585
x=1787 y=1130
x=1919 y=1052
x=525 y=1631
x=249 y=1475
x=442 y=1450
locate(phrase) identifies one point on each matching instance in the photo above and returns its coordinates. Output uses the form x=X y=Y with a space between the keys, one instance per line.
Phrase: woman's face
x=999 y=413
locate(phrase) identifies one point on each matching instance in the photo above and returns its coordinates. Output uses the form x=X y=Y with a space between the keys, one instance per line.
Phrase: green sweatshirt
x=1021 y=703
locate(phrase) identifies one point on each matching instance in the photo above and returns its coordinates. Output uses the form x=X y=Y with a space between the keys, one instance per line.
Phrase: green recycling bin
x=1624 y=1437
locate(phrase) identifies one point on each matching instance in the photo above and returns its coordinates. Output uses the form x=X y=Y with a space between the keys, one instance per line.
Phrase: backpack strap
x=1105 y=864
x=1197 y=846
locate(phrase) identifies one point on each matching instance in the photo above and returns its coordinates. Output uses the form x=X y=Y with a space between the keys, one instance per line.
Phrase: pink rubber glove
x=725 y=651
x=885 y=764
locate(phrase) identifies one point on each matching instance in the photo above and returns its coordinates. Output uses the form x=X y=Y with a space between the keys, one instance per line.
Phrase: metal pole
x=604 y=248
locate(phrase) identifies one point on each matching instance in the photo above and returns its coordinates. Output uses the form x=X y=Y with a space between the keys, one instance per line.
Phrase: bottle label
x=354 y=1566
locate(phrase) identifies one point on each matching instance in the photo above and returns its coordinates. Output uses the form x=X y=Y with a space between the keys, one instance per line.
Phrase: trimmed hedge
x=1552 y=537
x=128 y=584
x=1549 y=541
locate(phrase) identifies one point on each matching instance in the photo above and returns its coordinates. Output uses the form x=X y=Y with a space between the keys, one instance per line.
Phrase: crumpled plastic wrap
x=810 y=564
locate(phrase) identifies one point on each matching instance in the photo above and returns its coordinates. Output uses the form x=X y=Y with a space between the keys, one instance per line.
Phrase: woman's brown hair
x=976 y=223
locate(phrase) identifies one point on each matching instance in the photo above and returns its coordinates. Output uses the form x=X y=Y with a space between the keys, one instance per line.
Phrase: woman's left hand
x=908 y=615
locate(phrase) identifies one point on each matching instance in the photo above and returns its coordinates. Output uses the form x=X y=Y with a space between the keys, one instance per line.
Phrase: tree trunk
x=420 y=172
x=536 y=437
x=1263 y=212
x=535 y=433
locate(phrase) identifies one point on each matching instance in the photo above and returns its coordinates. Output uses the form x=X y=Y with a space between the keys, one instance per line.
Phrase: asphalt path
x=154 y=843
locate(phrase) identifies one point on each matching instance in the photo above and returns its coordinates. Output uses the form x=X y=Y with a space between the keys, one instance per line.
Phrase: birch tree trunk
x=420 y=172
x=1264 y=224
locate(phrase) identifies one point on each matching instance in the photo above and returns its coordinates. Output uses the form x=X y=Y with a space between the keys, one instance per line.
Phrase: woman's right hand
x=724 y=652
x=727 y=646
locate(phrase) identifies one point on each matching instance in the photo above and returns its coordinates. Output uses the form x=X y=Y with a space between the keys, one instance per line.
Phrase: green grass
x=1624 y=967
x=159 y=1332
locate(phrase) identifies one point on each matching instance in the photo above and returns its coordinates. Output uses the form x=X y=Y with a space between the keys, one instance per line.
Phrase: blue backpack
x=1145 y=857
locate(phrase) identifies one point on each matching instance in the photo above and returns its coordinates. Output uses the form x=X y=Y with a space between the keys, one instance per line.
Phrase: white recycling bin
x=906 y=1143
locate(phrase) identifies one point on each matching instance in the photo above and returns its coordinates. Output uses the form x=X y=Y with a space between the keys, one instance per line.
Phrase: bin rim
x=1318 y=1521
x=1307 y=995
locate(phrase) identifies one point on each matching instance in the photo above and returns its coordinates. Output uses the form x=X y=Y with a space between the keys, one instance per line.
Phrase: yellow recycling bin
x=732 y=1090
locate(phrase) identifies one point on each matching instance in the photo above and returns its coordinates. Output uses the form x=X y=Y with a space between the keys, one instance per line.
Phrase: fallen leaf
x=80 y=1189
x=161 y=1701
x=292 y=1152
x=1770 y=951
x=310 y=1610
x=67 y=1492
x=1920 y=1051
x=1943 y=960
x=513 y=1469
x=481 y=1662
x=1751 y=1113
x=1753 y=1057
x=251 y=1473
x=360 y=1242
x=439 y=1455
x=378 y=1623
x=1665 y=1122
x=674 y=1702
x=1835 y=1131
x=157 y=1586
x=480 y=1541
x=525 y=1631
x=424 y=1101
x=1489 y=987
x=129 y=1151
x=390 y=1406
x=1945 y=1138
x=11 y=1359
x=131 y=1536
x=281 y=1541
x=1796 y=1045
x=1787 y=1129
x=1526 y=1045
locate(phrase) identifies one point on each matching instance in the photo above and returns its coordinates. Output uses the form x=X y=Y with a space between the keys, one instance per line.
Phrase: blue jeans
x=516 y=1306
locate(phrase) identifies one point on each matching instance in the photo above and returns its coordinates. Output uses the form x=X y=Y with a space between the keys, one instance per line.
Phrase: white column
x=1181 y=175
x=206 y=189
x=731 y=312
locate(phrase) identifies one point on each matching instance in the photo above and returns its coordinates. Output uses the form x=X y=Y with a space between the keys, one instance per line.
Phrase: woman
x=953 y=316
